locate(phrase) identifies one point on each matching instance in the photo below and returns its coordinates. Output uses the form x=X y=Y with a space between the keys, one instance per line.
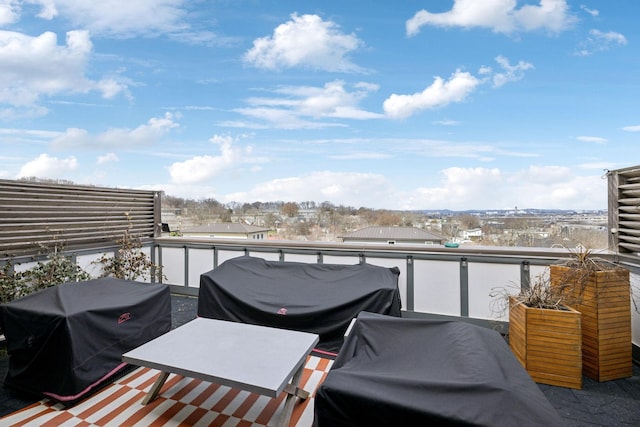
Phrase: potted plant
x=545 y=334
x=129 y=262
x=600 y=290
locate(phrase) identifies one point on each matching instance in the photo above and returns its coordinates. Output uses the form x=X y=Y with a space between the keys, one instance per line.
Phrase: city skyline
x=420 y=105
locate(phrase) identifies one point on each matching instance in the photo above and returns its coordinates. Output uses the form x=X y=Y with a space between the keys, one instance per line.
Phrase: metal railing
x=463 y=283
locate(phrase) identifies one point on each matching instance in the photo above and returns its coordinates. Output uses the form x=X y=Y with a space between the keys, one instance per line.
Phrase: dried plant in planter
x=12 y=285
x=545 y=335
x=580 y=267
x=58 y=268
x=601 y=291
x=540 y=294
x=130 y=263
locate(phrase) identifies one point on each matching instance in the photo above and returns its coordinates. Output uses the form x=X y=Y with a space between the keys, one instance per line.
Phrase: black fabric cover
x=317 y=298
x=415 y=372
x=65 y=340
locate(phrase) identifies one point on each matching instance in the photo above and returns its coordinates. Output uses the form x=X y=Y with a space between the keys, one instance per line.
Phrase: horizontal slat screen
x=36 y=217
x=624 y=210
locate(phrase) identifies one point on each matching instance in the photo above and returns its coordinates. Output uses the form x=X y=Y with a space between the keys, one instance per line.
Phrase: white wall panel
x=484 y=280
x=437 y=287
x=200 y=261
x=310 y=259
x=173 y=265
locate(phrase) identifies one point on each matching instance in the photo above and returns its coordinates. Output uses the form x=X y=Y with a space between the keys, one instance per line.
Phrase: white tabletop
x=254 y=358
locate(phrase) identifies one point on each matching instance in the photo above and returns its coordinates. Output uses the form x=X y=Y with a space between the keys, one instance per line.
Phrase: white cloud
x=146 y=134
x=9 y=11
x=439 y=94
x=345 y=188
x=594 y=139
x=458 y=188
x=446 y=122
x=204 y=38
x=33 y=67
x=273 y=117
x=360 y=155
x=118 y=18
x=108 y=158
x=592 y=12
x=635 y=128
x=558 y=187
x=459 y=86
x=48 y=167
x=600 y=166
x=500 y=16
x=305 y=41
x=300 y=107
x=511 y=73
x=27 y=135
x=599 y=41
x=552 y=187
x=202 y=168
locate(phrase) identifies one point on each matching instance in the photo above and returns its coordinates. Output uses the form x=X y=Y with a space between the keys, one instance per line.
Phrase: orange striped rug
x=181 y=402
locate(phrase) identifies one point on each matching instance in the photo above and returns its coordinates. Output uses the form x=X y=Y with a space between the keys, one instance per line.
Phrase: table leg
x=292 y=391
x=155 y=388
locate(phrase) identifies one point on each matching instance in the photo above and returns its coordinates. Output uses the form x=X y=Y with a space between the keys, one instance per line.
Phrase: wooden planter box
x=605 y=304
x=547 y=343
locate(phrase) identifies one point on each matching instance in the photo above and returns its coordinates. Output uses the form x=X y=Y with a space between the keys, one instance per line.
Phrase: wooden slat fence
x=624 y=210
x=40 y=217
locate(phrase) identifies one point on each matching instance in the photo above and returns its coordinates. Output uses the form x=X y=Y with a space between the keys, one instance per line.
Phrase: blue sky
x=427 y=104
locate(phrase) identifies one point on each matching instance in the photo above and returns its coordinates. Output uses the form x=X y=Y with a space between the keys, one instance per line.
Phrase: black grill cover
x=415 y=372
x=66 y=340
x=317 y=298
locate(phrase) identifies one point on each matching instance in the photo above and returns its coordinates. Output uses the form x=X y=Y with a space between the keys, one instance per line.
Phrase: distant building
x=393 y=235
x=227 y=230
x=471 y=235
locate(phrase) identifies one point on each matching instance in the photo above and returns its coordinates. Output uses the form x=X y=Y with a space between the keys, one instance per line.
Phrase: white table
x=258 y=359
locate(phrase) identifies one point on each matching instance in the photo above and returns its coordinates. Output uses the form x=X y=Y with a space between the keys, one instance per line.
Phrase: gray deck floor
x=611 y=403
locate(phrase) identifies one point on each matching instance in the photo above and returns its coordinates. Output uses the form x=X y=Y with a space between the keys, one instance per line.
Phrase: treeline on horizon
x=238 y=207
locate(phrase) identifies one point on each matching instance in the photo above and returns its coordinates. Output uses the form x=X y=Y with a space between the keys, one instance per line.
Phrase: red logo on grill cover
x=124 y=317
x=282 y=311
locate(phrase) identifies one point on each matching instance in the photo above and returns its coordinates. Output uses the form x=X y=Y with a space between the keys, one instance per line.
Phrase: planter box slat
x=547 y=343
x=557 y=380
x=605 y=304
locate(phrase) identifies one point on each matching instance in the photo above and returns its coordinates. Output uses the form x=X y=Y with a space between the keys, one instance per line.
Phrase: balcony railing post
x=410 y=284
x=525 y=275
x=464 y=287
x=155 y=247
x=186 y=265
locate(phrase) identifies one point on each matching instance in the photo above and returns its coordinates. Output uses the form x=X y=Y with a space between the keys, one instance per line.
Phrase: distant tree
x=212 y=203
x=270 y=220
x=289 y=209
x=302 y=228
x=387 y=218
x=327 y=207
x=173 y=201
x=406 y=222
x=46 y=180
x=468 y=221
x=450 y=228
x=225 y=215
